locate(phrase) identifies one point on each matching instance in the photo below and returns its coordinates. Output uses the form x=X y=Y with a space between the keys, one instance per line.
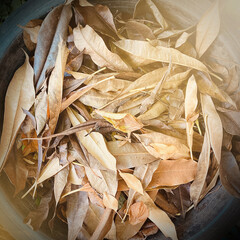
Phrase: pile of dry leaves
x=117 y=124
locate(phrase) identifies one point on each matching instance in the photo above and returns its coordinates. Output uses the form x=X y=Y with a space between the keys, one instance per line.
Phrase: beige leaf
x=138 y=212
x=207 y=29
x=122 y=121
x=94 y=142
x=141 y=53
x=20 y=94
x=182 y=39
x=214 y=124
x=130 y=154
x=173 y=172
x=163 y=146
x=198 y=185
x=159 y=217
x=33 y=32
x=110 y=202
x=55 y=86
x=132 y=182
x=87 y=40
x=191 y=102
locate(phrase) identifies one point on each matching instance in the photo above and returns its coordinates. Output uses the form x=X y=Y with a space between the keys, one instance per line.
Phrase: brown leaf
x=159 y=217
x=16 y=169
x=31 y=30
x=173 y=173
x=36 y=217
x=55 y=85
x=20 y=95
x=77 y=205
x=138 y=212
x=207 y=29
x=53 y=29
x=230 y=174
x=87 y=40
x=98 y=17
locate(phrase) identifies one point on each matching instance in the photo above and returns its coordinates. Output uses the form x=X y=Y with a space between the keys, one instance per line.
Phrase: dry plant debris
x=113 y=116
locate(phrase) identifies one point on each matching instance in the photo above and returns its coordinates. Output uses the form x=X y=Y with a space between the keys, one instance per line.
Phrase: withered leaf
x=159 y=217
x=20 y=94
x=207 y=29
x=138 y=212
x=230 y=173
x=36 y=217
x=214 y=125
x=173 y=172
x=48 y=40
x=77 y=206
x=110 y=201
x=87 y=40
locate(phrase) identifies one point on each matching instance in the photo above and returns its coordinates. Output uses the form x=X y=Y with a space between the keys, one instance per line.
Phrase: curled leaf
x=138 y=212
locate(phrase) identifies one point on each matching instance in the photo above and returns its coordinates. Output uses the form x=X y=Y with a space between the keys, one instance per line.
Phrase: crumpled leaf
x=20 y=94
x=94 y=143
x=159 y=217
x=207 y=29
x=132 y=182
x=138 y=212
x=36 y=217
x=173 y=172
x=130 y=154
x=88 y=41
x=77 y=206
x=141 y=53
x=230 y=173
x=48 y=40
x=163 y=146
x=214 y=124
x=124 y=122
x=55 y=85
x=110 y=201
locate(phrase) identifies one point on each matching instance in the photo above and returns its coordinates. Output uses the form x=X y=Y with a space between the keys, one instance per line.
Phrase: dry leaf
x=207 y=29
x=163 y=146
x=20 y=95
x=214 y=125
x=77 y=205
x=55 y=85
x=138 y=213
x=132 y=182
x=87 y=40
x=110 y=202
x=48 y=40
x=173 y=172
x=141 y=53
x=122 y=121
x=159 y=217
x=94 y=142
x=129 y=155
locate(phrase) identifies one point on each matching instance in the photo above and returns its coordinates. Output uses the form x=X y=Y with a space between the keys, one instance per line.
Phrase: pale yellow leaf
x=207 y=29
x=20 y=94
x=132 y=182
x=110 y=202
